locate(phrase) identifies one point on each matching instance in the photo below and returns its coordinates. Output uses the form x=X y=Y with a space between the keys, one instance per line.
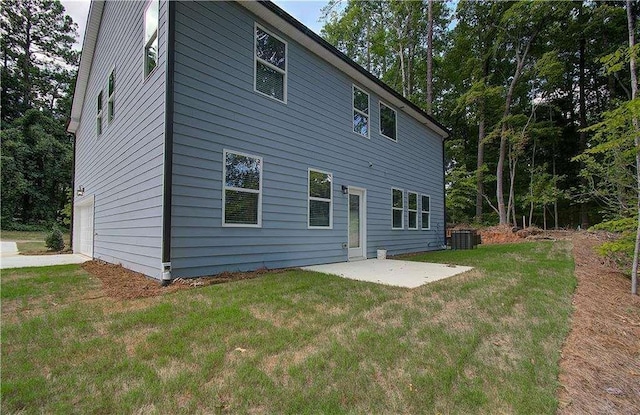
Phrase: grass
x=487 y=341
x=31 y=242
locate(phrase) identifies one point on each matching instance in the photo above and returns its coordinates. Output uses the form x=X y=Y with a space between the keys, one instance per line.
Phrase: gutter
x=168 y=145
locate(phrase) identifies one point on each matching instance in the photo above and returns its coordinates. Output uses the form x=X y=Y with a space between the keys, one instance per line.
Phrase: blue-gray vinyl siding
x=216 y=108
x=123 y=167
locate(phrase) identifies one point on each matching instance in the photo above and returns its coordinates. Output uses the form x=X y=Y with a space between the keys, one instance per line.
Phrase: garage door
x=85 y=229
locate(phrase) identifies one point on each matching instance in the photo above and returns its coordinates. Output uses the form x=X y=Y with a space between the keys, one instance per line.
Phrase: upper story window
x=242 y=194
x=360 y=112
x=271 y=65
x=426 y=210
x=412 y=208
x=99 y=114
x=397 y=203
x=320 y=200
x=111 y=91
x=388 y=125
x=151 y=37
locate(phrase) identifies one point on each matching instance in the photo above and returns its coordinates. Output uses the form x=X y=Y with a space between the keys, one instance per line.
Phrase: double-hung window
x=412 y=208
x=360 y=112
x=111 y=91
x=320 y=199
x=426 y=209
x=242 y=193
x=397 y=211
x=151 y=37
x=388 y=125
x=99 y=114
x=271 y=65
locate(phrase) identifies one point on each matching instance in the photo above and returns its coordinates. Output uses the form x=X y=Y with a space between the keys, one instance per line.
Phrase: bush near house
x=55 y=240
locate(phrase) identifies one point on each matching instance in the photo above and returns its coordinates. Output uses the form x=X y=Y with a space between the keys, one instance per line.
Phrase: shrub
x=619 y=250
x=13 y=225
x=54 y=240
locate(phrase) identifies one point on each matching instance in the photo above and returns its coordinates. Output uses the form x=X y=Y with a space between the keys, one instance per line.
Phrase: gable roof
x=288 y=25
x=86 y=59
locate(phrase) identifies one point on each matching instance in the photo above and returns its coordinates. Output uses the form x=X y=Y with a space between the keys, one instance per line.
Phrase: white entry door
x=357 y=224
x=83 y=243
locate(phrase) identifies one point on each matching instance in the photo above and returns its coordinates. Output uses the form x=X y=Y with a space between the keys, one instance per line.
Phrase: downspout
x=168 y=145
x=444 y=197
x=73 y=190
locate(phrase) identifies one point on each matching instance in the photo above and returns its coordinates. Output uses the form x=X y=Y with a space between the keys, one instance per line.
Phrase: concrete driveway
x=408 y=274
x=11 y=258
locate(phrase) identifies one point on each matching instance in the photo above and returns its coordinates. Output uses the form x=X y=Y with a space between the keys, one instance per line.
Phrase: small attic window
x=99 y=114
x=151 y=37
x=111 y=92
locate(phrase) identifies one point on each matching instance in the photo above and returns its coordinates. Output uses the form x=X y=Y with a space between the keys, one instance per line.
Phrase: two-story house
x=226 y=136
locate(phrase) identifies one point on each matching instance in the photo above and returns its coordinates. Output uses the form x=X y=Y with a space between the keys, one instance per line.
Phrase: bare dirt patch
x=119 y=282
x=507 y=234
x=600 y=364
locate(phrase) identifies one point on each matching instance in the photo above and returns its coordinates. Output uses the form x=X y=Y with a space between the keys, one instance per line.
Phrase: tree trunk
x=533 y=167
x=520 y=61
x=26 y=65
x=402 y=72
x=430 y=62
x=584 y=216
x=555 y=193
x=636 y=140
x=502 y=211
x=480 y=163
x=369 y=45
x=512 y=194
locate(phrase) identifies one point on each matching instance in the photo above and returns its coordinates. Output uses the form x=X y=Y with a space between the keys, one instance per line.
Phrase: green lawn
x=31 y=242
x=487 y=341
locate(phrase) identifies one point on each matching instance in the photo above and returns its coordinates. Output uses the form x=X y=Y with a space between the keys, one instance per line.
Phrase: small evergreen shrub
x=54 y=240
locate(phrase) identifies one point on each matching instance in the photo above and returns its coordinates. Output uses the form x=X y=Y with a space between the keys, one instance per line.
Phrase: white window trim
x=111 y=115
x=145 y=75
x=99 y=112
x=409 y=210
x=422 y=210
x=225 y=188
x=353 y=106
x=380 y=104
x=395 y=208
x=320 y=199
x=285 y=72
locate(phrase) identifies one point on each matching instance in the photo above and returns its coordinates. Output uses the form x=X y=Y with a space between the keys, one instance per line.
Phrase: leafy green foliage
x=38 y=73
x=37 y=175
x=39 y=62
x=620 y=250
x=55 y=240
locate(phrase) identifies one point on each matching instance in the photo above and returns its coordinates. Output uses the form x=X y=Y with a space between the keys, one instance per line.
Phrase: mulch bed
x=600 y=364
x=121 y=283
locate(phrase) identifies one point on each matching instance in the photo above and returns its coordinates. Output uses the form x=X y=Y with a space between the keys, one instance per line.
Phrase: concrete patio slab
x=408 y=274
x=20 y=261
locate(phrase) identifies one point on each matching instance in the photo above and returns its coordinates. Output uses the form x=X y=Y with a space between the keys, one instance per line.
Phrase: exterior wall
x=123 y=167
x=216 y=108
